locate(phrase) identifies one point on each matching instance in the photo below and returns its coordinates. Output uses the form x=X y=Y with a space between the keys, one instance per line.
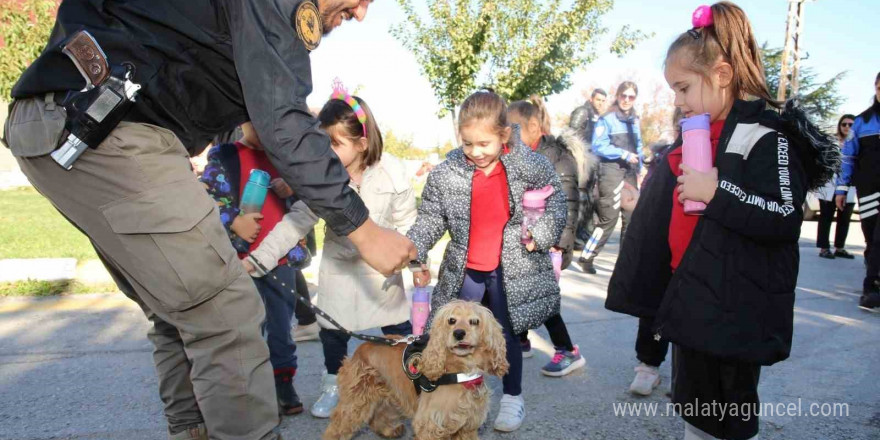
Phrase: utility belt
x=92 y=113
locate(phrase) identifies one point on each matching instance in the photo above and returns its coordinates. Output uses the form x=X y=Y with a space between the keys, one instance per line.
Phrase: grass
x=52 y=288
x=30 y=227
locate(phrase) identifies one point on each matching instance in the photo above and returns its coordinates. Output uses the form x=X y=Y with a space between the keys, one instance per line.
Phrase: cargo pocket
x=34 y=126
x=178 y=249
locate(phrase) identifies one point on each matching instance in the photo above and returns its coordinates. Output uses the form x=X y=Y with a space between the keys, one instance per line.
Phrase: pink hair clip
x=340 y=93
x=702 y=17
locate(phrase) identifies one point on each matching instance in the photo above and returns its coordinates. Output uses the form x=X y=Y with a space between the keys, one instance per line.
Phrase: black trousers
x=872 y=256
x=649 y=350
x=612 y=175
x=826 y=217
x=558 y=333
x=304 y=315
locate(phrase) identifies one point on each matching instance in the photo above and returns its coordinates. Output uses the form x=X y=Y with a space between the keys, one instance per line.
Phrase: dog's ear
x=494 y=357
x=433 y=362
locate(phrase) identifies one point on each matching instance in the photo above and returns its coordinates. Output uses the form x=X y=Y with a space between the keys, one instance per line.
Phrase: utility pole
x=794 y=26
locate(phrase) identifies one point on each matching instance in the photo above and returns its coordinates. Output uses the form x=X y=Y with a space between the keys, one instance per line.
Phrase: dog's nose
x=458 y=334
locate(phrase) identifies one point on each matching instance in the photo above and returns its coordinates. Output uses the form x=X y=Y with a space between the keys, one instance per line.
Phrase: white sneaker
x=303 y=333
x=511 y=413
x=329 y=397
x=647 y=378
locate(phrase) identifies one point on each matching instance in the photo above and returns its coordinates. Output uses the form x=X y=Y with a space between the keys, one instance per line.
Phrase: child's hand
x=281 y=188
x=422 y=278
x=531 y=246
x=697 y=186
x=248 y=267
x=629 y=197
x=247 y=226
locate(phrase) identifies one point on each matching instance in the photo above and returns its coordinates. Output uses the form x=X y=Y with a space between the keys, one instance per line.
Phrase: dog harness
x=412 y=355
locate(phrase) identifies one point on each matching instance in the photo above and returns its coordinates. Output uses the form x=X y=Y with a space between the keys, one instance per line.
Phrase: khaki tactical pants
x=159 y=234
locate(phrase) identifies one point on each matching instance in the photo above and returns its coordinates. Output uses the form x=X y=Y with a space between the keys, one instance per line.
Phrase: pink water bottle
x=534 y=202
x=556 y=259
x=696 y=152
x=421 y=306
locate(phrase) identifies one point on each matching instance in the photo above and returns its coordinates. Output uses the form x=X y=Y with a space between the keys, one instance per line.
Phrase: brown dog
x=373 y=388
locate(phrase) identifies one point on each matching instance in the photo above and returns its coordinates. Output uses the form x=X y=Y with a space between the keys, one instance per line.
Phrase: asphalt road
x=81 y=368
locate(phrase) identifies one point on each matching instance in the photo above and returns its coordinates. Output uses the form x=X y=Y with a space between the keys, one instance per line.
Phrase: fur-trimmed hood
x=820 y=154
x=586 y=160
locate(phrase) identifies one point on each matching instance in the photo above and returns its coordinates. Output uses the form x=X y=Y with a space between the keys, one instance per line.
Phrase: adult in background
x=827 y=207
x=861 y=162
x=617 y=142
x=583 y=121
x=205 y=66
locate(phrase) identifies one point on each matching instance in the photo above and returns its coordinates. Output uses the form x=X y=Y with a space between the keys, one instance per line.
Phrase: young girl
x=476 y=195
x=534 y=122
x=721 y=285
x=353 y=293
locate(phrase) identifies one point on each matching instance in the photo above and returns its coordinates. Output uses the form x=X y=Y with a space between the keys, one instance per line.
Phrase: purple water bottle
x=696 y=153
x=534 y=202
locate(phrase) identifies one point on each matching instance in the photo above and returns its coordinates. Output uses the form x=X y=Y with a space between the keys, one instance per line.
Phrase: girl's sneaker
x=510 y=414
x=647 y=378
x=329 y=397
x=527 y=349
x=564 y=362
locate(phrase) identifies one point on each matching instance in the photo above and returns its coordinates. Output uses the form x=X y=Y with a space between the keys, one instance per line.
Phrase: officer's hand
x=383 y=249
x=281 y=188
x=422 y=278
x=248 y=267
x=633 y=159
x=247 y=226
x=840 y=201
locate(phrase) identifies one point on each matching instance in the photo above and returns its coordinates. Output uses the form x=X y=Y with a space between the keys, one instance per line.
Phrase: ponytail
x=727 y=35
x=533 y=108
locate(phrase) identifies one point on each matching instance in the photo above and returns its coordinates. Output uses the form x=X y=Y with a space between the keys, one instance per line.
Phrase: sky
x=839 y=35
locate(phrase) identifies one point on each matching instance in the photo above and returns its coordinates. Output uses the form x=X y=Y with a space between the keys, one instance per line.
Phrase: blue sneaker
x=564 y=362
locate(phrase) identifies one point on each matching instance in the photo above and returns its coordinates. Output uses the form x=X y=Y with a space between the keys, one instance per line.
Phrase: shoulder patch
x=744 y=138
x=308 y=25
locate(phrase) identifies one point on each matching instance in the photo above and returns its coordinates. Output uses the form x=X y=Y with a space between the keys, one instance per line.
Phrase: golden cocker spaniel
x=373 y=387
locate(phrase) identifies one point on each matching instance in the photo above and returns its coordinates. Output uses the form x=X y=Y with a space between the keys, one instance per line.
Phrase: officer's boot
x=288 y=400
x=197 y=432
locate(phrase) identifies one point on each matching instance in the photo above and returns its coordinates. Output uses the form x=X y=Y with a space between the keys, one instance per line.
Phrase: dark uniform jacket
x=861 y=163
x=206 y=66
x=732 y=296
x=583 y=120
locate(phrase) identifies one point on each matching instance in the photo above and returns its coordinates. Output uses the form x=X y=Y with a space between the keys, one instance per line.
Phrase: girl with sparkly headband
x=353 y=293
x=721 y=285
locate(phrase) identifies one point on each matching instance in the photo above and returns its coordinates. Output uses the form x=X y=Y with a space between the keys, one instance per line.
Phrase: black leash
x=281 y=286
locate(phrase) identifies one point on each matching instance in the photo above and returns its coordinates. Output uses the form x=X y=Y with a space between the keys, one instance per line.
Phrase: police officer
x=861 y=160
x=204 y=67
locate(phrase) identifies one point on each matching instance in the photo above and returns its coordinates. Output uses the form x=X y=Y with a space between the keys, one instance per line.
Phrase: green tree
x=518 y=47
x=819 y=99
x=402 y=148
x=25 y=26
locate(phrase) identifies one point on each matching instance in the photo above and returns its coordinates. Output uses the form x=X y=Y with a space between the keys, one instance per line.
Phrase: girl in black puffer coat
x=721 y=286
x=534 y=123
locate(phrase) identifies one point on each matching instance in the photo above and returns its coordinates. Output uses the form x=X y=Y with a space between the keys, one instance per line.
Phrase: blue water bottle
x=252 y=199
x=254 y=194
